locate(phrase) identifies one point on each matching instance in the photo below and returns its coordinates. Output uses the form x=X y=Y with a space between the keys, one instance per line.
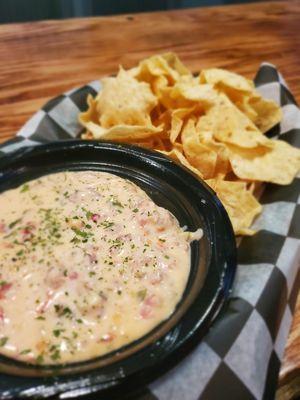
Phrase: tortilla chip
x=173 y=102
x=277 y=164
x=199 y=155
x=264 y=113
x=158 y=84
x=187 y=93
x=226 y=79
x=125 y=101
x=167 y=65
x=243 y=104
x=120 y=133
x=176 y=126
x=268 y=113
x=241 y=205
x=176 y=155
x=230 y=125
x=176 y=64
x=204 y=133
x=162 y=120
x=177 y=121
x=189 y=89
x=222 y=166
x=91 y=114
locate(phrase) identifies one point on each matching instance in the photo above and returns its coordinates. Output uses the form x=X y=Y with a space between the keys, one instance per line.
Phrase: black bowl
x=213 y=263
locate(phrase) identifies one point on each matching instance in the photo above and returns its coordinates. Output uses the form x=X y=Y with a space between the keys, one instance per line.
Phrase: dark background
x=33 y=10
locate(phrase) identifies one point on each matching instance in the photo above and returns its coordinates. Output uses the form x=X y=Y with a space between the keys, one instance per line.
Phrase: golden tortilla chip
x=199 y=155
x=176 y=64
x=176 y=155
x=278 y=164
x=264 y=113
x=158 y=84
x=243 y=104
x=91 y=114
x=176 y=126
x=177 y=120
x=226 y=79
x=268 y=113
x=189 y=89
x=223 y=165
x=120 y=133
x=241 y=205
x=167 y=65
x=163 y=120
x=171 y=102
x=187 y=93
x=204 y=133
x=125 y=101
x=230 y=125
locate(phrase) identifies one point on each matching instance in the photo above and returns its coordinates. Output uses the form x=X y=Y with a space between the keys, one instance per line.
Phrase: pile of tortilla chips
x=213 y=124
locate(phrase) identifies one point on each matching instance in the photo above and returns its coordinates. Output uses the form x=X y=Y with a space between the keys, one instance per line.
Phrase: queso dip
x=88 y=263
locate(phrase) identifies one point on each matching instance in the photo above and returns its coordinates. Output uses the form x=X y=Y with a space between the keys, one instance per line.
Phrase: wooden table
x=42 y=59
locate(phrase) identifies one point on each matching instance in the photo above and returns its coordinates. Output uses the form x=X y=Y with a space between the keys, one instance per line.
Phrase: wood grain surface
x=42 y=59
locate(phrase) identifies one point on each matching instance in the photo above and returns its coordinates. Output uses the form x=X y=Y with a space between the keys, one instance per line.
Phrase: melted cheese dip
x=88 y=263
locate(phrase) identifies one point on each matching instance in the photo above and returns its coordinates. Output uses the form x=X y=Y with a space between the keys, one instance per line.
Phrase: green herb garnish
x=25 y=188
x=3 y=341
x=62 y=311
x=40 y=318
x=12 y=224
x=81 y=233
x=88 y=214
x=107 y=224
x=141 y=294
x=55 y=355
x=26 y=351
x=40 y=359
x=57 y=332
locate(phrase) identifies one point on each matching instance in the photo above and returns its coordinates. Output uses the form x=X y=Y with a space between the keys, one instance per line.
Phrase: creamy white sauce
x=88 y=263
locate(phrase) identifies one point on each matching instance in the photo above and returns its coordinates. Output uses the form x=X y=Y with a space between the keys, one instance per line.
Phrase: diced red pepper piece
x=4 y=288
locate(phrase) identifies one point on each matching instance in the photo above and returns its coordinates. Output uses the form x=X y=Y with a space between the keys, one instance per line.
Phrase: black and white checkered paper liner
x=239 y=359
